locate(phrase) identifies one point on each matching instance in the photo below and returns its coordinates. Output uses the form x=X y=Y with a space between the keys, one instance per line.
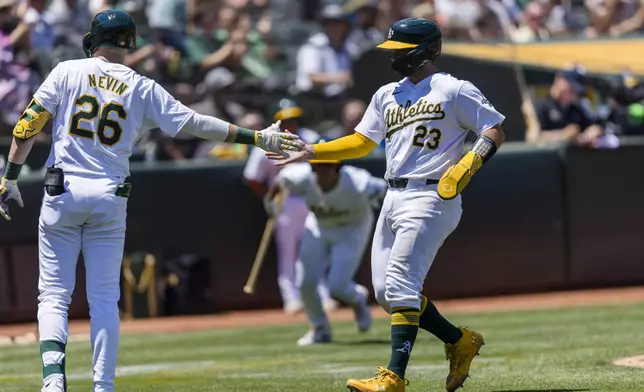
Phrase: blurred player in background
x=99 y=107
x=259 y=174
x=336 y=233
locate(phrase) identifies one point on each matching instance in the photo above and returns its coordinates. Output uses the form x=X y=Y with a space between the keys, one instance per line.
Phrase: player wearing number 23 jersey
x=99 y=108
x=423 y=119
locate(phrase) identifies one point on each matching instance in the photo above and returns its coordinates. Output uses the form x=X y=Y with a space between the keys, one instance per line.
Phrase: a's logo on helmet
x=391 y=33
x=111 y=16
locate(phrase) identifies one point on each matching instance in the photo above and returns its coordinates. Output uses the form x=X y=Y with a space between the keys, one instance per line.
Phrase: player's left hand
x=272 y=139
x=456 y=178
x=8 y=191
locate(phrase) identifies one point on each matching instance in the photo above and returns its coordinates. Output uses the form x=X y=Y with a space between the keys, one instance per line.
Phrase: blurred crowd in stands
x=235 y=58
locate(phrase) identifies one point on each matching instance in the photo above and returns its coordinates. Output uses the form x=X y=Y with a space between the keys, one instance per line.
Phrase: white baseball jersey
x=424 y=125
x=261 y=169
x=100 y=109
x=346 y=204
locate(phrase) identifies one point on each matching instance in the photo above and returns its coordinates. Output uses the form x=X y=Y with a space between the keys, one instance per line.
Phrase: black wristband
x=485 y=147
x=12 y=171
x=245 y=136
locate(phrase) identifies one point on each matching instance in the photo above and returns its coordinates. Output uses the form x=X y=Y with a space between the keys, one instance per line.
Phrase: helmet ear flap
x=434 y=50
x=87 y=44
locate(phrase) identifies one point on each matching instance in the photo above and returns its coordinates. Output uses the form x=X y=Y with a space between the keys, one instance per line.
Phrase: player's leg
x=381 y=249
x=59 y=242
x=311 y=263
x=461 y=344
x=288 y=232
x=383 y=240
x=103 y=242
x=421 y=222
x=346 y=254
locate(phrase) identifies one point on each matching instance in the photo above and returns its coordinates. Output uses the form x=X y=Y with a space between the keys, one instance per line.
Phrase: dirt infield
x=637 y=361
x=22 y=332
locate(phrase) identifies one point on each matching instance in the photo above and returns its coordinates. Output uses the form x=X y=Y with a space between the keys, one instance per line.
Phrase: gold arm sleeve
x=32 y=121
x=348 y=147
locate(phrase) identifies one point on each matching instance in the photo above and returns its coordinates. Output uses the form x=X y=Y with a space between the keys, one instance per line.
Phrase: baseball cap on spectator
x=577 y=79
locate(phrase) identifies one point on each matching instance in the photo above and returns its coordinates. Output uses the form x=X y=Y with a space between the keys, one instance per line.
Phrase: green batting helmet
x=110 y=28
x=414 y=42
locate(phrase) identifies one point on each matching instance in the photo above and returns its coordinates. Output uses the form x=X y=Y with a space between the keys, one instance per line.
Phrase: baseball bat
x=249 y=288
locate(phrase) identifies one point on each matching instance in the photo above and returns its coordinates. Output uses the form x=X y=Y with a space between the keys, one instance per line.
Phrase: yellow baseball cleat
x=385 y=381
x=460 y=356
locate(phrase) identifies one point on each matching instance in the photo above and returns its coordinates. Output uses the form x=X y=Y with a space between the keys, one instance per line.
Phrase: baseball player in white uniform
x=99 y=108
x=424 y=119
x=259 y=175
x=336 y=233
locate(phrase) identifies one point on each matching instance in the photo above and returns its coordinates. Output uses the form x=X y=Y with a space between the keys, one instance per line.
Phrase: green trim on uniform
x=52 y=369
x=12 y=171
x=245 y=136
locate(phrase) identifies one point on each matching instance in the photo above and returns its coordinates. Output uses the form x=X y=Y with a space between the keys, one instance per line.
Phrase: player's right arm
x=368 y=134
x=172 y=117
x=31 y=123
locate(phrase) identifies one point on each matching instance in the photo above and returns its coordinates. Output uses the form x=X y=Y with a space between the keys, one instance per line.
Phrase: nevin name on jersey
x=107 y=83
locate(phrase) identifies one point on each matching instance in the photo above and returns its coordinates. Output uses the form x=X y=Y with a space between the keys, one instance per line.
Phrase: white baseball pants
x=340 y=250
x=412 y=226
x=89 y=217
x=288 y=236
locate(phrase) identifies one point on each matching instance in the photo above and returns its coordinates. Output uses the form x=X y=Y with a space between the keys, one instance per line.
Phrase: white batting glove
x=272 y=139
x=8 y=191
x=271 y=207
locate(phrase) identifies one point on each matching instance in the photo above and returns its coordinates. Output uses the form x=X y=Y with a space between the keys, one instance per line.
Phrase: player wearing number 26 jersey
x=423 y=119
x=99 y=108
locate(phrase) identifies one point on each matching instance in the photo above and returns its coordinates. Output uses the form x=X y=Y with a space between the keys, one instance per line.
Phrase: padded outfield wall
x=534 y=220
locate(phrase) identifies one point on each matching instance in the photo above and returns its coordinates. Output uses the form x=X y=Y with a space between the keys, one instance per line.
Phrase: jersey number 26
x=421 y=139
x=108 y=131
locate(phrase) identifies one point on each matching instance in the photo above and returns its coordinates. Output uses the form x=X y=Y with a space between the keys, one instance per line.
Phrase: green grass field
x=555 y=350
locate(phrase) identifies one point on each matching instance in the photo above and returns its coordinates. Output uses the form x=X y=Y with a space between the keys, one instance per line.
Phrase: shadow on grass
x=363 y=342
x=545 y=390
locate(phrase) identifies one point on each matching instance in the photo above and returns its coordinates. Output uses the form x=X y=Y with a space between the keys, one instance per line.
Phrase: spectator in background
x=458 y=18
x=614 y=18
x=365 y=34
x=41 y=31
x=352 y=114
x=168 y=22
x=623 y=113
x=562 y=116
x=225 y=39
x=17 y=79
x=69 y=18
x=324 y=62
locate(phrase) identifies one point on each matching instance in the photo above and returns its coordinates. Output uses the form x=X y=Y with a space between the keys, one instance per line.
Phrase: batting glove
x=271 y=207
x=272 y=139
x=8 y=191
